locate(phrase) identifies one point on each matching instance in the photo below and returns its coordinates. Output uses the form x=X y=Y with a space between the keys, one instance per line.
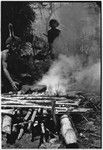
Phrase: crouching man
x=13 y=65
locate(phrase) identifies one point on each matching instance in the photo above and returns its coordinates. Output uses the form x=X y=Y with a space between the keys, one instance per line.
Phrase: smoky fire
x=50 y=74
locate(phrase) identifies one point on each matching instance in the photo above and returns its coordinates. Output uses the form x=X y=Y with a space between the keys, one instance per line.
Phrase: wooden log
x=42 y=96
x=14 y=128
x=43 y=132
x=34 y=106
x=20 y=133
x=6 y=124
x=21 y=123
x=68 y=94
x=67 y=130
x=8 y=111
x=36 y=98
x=39 y=100
x=32 y=119
x=58 y=109
x=28 y=114
x=42 y=128
x=75 y=103
x=35 y=124
x=33 y=88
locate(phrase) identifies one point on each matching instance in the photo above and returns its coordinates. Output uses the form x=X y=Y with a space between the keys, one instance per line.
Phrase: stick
x=20 y=133
x=32 y=119
x=53 y=113
x=95 y=135
x=28 y=114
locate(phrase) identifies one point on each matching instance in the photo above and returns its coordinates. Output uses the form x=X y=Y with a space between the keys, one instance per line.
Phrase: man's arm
x=6 y=72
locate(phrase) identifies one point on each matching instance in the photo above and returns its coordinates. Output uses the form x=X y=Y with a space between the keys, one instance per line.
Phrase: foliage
x=19 y=14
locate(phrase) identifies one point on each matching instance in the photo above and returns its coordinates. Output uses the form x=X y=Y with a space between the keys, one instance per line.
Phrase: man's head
x=13 y=43
x=53 y=23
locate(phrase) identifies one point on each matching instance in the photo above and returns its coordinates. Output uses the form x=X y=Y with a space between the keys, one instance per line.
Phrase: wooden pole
x=28 y=97
x=53 y=114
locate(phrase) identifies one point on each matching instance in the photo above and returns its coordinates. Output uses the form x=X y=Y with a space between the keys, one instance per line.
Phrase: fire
x=54 y=84
x=66 y=74
x=59 y=75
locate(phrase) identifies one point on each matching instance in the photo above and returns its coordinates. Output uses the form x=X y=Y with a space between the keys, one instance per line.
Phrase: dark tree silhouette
x=19 y=14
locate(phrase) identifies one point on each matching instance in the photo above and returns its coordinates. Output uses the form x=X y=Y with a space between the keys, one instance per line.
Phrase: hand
x=14 y=85
x=25 y=75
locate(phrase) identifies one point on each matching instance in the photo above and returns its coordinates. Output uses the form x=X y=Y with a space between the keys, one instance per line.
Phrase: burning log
x=6 y=124
x=33 y=88
x=69 y=95
x=67 y=130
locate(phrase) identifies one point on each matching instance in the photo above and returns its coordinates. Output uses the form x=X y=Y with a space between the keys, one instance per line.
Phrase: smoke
x=77 y=50
x=80 y=30
x=67 y=74
x=89 y=79
x=60 y=74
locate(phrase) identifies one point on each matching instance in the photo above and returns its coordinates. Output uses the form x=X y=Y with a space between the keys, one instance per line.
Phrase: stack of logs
x=24 y=113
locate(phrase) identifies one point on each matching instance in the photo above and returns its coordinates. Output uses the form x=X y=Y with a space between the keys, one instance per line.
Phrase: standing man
x=53 y=33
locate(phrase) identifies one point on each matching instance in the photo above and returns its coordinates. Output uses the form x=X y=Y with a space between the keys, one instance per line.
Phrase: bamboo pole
x=37 y=98
x=38 y=101
x=33 y=97
x=58 y=109
x=75 y=103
